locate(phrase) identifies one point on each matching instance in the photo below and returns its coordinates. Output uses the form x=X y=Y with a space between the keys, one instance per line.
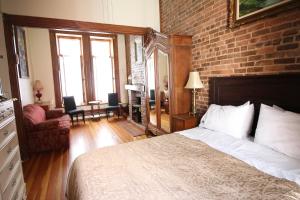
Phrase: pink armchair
x=46 y=130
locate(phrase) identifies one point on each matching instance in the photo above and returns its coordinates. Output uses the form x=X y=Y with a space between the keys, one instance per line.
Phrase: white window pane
x=100 y=47
x=103 y=70
x=70 y=70
x=69 y=46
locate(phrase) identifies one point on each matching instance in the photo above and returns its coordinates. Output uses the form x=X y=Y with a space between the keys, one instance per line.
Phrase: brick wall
x=266 y=46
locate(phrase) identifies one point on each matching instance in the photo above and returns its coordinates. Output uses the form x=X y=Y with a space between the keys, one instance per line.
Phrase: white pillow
x=279 y=130
x=278 y=108
x=232 y=120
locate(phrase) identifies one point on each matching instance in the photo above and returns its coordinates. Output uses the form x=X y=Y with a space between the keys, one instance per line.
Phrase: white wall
x=143 y=13
x=122 y=68
x=26 y=91
x=39 y=60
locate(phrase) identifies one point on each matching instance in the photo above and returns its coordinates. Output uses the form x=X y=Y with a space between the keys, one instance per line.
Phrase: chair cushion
x=34 y=114
x=112 y=107
x=76 y=111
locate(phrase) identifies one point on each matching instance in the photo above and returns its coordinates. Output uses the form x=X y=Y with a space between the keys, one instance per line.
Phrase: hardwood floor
x=165 y=120
x=46 y=173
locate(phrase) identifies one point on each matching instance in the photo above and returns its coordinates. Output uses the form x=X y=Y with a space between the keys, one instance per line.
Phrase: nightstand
x=184 y=121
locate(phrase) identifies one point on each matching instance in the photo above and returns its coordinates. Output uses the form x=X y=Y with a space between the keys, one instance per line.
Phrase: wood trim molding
x=116 y=67
x=55 y=69
x=88 y=69
x=53 y=23
x=15 y=88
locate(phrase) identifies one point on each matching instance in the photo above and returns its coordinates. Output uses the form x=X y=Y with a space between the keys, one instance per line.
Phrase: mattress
x=259 y=156
x=171 y=167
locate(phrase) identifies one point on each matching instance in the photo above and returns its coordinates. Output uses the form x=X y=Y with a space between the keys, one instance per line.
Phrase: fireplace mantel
x=135 y=87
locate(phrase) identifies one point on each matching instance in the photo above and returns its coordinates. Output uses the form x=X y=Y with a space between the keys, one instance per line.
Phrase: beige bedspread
x=170 y=167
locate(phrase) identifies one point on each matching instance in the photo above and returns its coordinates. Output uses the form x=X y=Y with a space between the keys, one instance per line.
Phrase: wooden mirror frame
x=154 y=42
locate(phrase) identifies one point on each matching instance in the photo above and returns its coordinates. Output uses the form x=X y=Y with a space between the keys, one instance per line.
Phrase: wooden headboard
x=282 y=90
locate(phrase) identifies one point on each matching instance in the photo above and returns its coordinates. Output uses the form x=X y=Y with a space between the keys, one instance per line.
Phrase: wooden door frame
x=11 y=21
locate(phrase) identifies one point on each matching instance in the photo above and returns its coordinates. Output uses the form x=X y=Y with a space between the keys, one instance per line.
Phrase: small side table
x=92 y=104
x=123 y=109
x=184 y=121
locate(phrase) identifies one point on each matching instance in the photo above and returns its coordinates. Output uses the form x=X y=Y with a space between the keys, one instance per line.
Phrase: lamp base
x=38 y=95
x=193 y=114
x=194 y=103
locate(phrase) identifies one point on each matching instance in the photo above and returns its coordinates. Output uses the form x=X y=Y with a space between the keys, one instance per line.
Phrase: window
x=84 y=66
x=70 y=67
x=104 y=81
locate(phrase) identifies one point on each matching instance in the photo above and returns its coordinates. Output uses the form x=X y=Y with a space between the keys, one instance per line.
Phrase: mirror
x=163 y=74
x=151 y=90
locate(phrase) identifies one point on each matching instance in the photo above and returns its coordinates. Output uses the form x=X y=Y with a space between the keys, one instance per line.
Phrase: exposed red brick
x=288 y=46
x=247 y=64
x=284 y=60
x=254 y=69
x=293 y=67
x=274 y=68
x=269 y=45
x=281 y=27
x=287 y=39
x=239 y=70
x=264 y=62
x=290 y=32
x=260 y=32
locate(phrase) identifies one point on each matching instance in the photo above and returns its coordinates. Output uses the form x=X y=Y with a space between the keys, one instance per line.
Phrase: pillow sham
x=232 y=120
x=278 y=108
x=279 y=130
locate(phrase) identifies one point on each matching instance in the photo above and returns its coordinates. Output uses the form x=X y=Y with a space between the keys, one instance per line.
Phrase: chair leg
x=106 y=114
x=83 y=117
x=118 y=110
x=72 y=120
x=77 y=118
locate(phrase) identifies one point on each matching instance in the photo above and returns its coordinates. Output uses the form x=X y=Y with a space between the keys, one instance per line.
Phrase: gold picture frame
x=246 y=11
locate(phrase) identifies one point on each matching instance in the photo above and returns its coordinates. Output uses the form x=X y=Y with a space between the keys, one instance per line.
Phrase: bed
x=193 y=164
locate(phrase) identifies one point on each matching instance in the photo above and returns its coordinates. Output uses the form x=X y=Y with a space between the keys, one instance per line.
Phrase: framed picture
x=21 y=52
x=244 y=11
x=138 y=50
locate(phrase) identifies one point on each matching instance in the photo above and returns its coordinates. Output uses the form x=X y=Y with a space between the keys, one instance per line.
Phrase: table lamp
x=194 y=83
x=38 y=87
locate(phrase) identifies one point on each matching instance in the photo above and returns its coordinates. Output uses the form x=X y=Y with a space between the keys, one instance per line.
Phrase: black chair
x=71 y=108
x=113 y=104
x=152 y=98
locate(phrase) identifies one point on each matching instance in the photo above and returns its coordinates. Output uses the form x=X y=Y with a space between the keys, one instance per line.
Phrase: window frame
x=111 y=54
x=88 y=79
x=79 y=37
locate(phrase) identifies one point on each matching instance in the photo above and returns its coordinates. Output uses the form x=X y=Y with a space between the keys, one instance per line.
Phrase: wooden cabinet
x=184 y=121
x=12 y=184
x=168 y=63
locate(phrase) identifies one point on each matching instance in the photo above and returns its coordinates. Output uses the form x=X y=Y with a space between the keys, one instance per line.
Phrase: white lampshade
x=194 y=81
x=38 y=85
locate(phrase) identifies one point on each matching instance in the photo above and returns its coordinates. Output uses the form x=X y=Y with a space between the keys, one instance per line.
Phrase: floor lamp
x=194 y=83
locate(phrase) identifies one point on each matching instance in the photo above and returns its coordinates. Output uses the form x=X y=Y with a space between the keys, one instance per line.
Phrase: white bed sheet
x=256 y=155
